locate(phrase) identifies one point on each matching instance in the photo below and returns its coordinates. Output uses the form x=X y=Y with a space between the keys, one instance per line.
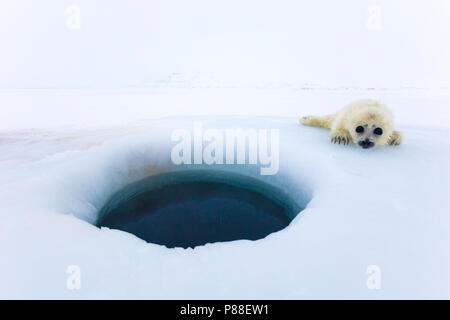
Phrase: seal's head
x=370 y=127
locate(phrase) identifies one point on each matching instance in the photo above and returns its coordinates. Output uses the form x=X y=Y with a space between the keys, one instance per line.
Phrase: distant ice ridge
x=212 y=81
x=385 y=208
x=99 y=108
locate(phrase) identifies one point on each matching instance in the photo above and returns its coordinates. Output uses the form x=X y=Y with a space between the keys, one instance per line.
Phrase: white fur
x=368 y=113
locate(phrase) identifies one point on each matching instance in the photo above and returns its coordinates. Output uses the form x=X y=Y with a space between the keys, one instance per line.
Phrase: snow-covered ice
x=387 y=207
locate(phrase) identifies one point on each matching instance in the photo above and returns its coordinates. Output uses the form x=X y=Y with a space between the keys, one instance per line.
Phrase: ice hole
x=192 y=208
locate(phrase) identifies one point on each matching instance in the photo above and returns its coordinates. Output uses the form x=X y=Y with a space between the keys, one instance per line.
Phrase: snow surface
x=387 y=207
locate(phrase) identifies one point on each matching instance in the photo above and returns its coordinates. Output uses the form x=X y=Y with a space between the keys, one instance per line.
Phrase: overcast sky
x=128 y=43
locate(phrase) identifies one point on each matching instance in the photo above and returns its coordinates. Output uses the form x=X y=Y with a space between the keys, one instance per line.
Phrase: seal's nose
x=366 y=144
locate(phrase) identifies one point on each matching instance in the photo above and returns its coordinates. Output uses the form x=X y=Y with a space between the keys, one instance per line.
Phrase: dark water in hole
x=191 y=213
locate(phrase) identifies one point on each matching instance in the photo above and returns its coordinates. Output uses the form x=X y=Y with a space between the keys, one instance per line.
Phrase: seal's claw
x=341 y=137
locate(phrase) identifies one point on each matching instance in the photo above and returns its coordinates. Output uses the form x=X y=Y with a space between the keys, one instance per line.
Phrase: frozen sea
x=63 y=153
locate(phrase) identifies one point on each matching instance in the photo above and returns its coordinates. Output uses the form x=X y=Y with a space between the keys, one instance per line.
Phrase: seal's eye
x=360 y=129
x=378 y=131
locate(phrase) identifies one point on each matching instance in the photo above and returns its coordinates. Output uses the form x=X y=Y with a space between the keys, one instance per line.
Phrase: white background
x=223 y=43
